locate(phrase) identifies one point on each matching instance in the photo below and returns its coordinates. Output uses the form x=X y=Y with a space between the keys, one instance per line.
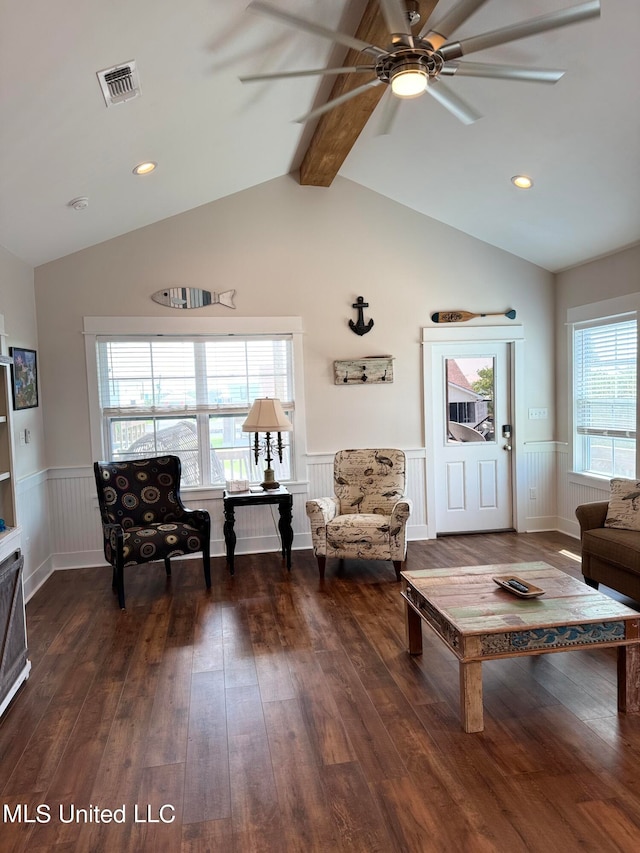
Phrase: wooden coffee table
x=478 y=620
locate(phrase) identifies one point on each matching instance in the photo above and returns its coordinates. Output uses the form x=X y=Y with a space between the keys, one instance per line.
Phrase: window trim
x=195 y=326
x=616 y=310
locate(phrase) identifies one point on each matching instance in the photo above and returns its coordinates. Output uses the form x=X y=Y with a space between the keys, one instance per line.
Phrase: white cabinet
x=7 y=485
x=8 y=537
x=14 y=665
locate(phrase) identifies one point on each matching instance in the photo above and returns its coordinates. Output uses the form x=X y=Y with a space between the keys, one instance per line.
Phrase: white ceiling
x=213 y=136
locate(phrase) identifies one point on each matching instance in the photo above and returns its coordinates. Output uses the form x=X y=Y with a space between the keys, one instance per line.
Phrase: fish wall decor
x=192 y=297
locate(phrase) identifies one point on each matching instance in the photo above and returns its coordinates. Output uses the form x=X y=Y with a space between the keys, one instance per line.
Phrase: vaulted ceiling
x=213 y=135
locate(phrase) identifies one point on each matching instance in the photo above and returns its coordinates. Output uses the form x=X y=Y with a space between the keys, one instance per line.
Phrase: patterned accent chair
x=144 y=519
x=367 y=518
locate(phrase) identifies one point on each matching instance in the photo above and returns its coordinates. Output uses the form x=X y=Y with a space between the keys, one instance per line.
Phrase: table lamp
x=267 y=416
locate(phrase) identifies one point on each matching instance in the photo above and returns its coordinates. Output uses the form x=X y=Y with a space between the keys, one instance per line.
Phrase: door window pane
x=469 y=400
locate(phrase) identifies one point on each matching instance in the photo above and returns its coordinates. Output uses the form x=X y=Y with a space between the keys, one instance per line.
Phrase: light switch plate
x=538 y=414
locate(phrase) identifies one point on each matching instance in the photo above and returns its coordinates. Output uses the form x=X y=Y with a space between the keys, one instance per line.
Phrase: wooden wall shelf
x=372 y=370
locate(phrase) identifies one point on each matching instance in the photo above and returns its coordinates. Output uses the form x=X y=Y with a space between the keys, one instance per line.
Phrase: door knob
x=507 y=447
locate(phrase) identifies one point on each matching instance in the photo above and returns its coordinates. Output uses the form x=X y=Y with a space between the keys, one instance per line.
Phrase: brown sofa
x=609 y=555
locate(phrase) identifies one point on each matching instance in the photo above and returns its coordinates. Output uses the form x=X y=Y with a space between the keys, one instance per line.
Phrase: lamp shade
x=267 y=415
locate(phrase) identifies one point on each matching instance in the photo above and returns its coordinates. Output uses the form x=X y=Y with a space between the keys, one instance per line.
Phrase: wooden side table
x=284 y=501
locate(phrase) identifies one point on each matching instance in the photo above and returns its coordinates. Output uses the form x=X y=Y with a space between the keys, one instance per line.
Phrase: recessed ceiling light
x=144 y=168
x=522 y=182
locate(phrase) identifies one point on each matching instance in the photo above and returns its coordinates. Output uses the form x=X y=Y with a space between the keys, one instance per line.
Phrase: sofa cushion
x=359 y=527
x=621 y=548
x=624 y=505
x=157 y=541
x=359 y=535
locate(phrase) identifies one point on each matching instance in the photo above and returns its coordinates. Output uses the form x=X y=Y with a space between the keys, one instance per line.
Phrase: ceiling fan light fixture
x=409 y=80
x=523 y=182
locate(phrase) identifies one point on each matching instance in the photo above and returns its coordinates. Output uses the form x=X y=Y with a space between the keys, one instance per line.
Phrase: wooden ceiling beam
x=338 y=130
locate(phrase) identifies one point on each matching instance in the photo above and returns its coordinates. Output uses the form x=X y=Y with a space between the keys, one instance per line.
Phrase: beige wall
x=17 y=304
x=302 y=251
x=606 y=278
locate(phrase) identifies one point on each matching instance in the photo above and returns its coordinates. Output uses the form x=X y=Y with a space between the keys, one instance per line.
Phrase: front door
x=472 y=437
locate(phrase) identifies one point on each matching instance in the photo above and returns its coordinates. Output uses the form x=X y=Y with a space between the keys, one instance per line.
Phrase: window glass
x=470 y=399
x=605 y=390
x=140 y=438
x=190 y=398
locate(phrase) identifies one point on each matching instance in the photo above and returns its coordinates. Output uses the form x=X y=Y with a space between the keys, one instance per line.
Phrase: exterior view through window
x=470 y=396
x=190 y=397
x=605 y=358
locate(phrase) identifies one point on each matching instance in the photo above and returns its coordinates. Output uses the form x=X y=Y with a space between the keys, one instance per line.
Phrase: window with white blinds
x=605 y=390
x=190 y=396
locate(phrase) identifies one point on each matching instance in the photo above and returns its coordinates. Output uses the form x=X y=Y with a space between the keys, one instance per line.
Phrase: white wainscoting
x=573 y=491
x=58 y=509
x=76 y=536
x=33 y=511
x=320 y=472
x=540 y=472
x=77 y=533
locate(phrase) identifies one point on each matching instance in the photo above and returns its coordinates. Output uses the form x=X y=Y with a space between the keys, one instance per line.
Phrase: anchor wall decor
x=360 y=327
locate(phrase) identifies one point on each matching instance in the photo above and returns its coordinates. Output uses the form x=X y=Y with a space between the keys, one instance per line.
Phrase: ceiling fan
x=412 y=64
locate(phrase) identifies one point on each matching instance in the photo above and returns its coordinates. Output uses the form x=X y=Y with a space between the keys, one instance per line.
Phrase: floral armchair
x=144 y=519
x=367 y=517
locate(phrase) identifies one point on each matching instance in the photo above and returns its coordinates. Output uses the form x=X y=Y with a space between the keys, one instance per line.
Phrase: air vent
x=120 y=83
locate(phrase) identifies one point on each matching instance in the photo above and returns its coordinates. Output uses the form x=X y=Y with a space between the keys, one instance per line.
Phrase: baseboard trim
x=258 y=545
x=24 y=674
x=417 y=532
x=571 y=528
x=37 y=578
x=541 y=524
x=246 y=545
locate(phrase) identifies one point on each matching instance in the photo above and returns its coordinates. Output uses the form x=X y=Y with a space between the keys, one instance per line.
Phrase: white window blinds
x=605 y=386
x=170 y=376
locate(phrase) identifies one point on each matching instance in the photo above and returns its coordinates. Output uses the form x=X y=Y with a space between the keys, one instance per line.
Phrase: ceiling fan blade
x=251 y=78
x=501 y=72
x=395 y=15
x=389 y=112
x=316 y=29
x=337 y=101
x=456 y=106
x=438 y=33
x=552 y=21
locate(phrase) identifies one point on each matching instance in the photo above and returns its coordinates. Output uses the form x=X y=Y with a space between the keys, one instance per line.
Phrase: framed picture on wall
x=24 y=378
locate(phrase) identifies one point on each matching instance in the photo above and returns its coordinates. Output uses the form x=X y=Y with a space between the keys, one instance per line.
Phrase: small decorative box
x=237 y=485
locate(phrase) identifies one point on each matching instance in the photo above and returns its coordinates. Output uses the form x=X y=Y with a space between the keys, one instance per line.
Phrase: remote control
x=517 y=585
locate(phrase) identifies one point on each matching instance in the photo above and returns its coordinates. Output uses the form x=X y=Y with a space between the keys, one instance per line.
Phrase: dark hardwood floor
x=279 y=714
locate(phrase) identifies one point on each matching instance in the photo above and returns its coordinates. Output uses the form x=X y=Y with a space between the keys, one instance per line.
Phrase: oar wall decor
x=463 y=316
